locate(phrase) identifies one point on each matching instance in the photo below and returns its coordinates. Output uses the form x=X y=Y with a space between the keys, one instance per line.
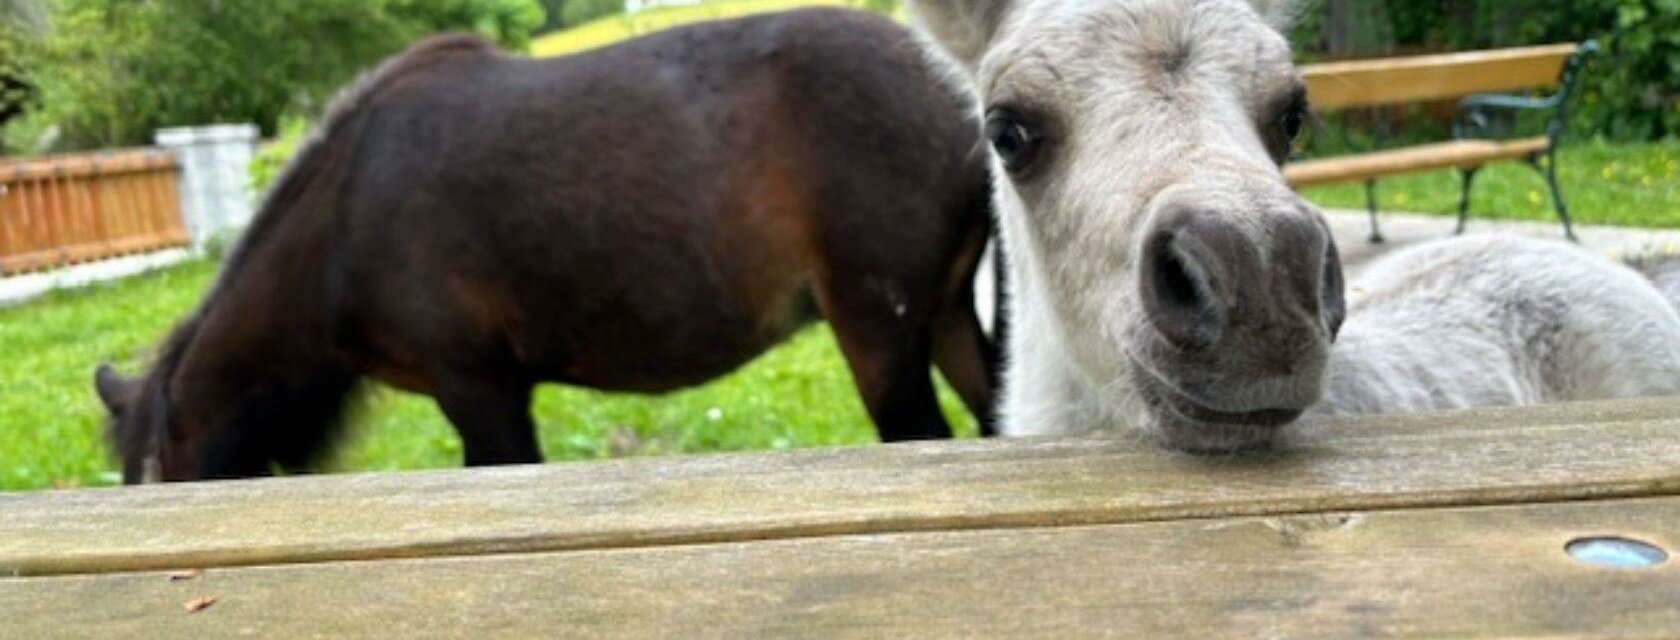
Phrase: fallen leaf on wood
x=198 y=604
x=188 y=574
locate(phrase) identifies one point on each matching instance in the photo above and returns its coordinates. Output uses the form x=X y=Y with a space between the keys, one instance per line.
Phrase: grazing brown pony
x=644 y=217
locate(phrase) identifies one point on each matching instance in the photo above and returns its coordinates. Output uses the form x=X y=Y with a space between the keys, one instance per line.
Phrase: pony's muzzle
x=1207 y=278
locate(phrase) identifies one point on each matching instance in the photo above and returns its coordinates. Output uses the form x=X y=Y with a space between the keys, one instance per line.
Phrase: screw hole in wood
x=1614 y=551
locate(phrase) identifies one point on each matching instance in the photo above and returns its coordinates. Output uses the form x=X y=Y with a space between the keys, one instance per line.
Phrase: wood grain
x=1501 y=456
x=1427 y=157
x=1489 y=572
x=1359 y=83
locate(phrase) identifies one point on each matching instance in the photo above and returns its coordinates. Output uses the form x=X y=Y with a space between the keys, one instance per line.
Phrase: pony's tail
x=1663 y=270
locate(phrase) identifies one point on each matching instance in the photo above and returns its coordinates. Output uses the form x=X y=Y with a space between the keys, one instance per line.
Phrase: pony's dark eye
x=1283 y=136
x=1015 y=138
x=1290 y=121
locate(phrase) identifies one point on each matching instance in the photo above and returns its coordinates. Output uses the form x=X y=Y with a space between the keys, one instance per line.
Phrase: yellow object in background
x=611 y=29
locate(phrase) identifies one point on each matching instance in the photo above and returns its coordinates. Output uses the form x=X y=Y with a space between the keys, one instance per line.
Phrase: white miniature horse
x=1163 y=276
x=1497 y=320
x=1161 y=272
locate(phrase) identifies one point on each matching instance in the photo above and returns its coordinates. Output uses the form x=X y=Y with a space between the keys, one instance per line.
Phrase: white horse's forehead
x=1103 y=43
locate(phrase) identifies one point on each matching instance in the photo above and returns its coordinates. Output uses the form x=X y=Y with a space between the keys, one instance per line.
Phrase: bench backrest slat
x=1363 y=83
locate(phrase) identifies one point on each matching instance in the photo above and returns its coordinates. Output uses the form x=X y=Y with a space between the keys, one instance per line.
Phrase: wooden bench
x=1453 y=525
x=1483 y=124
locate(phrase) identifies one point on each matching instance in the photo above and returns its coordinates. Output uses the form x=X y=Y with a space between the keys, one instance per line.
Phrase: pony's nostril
x=1176 y=283
x=1177 y=295
x=1334 y=300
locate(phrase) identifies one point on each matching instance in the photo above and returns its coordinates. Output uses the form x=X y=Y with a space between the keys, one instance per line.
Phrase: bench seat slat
x=1495 y=456
x=1427 y=157
x=1486 y=572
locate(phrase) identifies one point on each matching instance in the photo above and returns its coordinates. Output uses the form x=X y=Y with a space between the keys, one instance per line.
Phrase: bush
x=271 y=159
x=110 y=72
x=575 y=12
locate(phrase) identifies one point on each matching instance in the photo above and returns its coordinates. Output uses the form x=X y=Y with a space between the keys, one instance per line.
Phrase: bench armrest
x=1494 y=115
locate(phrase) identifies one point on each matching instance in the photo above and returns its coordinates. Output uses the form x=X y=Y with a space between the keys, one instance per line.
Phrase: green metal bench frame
x=1492 y=116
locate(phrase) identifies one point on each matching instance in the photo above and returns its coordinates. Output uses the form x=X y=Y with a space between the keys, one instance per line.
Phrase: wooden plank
x=1359 y=83
x=1427 y=157
x=1489 y=572
x=11 y=214
x=90 y=208
x=1500 y=456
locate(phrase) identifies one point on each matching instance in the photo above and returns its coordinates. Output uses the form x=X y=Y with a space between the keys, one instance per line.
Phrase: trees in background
x=109 y=72
x=575 y=12
x=21 y=21
x=101 y=73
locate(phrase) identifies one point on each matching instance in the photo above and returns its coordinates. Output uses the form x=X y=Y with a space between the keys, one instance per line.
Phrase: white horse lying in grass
x=1164 y=277
x=1499 y=320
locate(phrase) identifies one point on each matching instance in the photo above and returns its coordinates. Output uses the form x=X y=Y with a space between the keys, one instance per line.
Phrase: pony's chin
x=1214 y=439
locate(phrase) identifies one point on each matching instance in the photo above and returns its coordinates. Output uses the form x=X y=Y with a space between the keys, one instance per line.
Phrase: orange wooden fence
x=68 y=209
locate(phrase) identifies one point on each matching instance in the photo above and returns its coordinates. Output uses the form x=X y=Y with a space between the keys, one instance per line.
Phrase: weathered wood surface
x=1427 y=157
x=1559 y=452
x=1358 y=83
x=1488 y=572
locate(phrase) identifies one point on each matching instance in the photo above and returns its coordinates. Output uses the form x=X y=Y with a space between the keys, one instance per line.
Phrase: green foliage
x=580 y=11
x=272 y=158
x=20 y=25
x=551 y=15
x=1630 y=92
x=112 y=71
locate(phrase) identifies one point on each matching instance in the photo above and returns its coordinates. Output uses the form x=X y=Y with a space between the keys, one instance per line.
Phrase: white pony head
x=1163 y=274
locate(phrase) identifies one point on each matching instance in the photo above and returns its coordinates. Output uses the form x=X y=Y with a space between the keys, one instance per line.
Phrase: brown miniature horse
x=644 y=217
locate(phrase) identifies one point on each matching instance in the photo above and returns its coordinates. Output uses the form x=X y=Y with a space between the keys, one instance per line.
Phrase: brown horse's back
x=654 y=214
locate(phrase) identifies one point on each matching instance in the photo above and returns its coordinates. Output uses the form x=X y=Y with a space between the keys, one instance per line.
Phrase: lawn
x=51 y=425
x=1636 y=185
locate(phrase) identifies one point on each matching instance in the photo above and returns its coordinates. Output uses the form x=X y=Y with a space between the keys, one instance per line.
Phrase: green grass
x=605 y=31
x=1634 y=185
x=51 y=424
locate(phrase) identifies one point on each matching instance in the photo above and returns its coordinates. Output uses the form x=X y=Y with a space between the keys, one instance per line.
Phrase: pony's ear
x=114 y=390
x=962 y=28
x=1281 y=14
